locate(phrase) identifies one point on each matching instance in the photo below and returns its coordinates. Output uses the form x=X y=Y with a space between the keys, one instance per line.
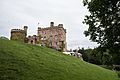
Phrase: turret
x=25 y=29
x=39 y=28
x=60 y=25
x=51 y=24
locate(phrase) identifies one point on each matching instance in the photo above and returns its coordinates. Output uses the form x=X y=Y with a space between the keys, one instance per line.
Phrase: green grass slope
x=20 y=61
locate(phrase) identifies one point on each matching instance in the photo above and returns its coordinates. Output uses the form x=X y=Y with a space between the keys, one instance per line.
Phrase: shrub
x=118 y=73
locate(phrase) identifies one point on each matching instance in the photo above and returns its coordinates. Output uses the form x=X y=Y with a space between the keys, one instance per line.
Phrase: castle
x=53 y=36
x=19 y=34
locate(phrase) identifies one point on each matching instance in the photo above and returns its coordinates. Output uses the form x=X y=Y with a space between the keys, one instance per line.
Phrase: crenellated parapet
x=19 y=34
x=53 y=36
x=17 y=30
x=51 y=27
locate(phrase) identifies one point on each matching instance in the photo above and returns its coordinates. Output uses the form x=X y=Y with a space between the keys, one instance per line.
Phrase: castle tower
x=51 y=24
x=53 y=36
x=19 y=34
x=25 y=29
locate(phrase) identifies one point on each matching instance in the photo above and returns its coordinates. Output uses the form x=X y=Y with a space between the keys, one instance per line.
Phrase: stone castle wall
x=53 y=36
x=19 y=34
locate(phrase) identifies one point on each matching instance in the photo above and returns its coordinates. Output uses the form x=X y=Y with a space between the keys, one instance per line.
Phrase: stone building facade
x=33 y=40
x=19 y=34
x=53 y=36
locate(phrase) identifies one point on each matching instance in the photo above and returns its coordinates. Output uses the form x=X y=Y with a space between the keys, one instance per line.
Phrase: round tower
x=25 y=29
x=51 y=24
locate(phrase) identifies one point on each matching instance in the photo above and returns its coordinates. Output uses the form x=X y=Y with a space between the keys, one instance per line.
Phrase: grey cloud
x=15 y=14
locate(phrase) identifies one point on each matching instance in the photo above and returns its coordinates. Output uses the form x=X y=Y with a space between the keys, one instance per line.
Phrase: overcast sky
x=70 y=13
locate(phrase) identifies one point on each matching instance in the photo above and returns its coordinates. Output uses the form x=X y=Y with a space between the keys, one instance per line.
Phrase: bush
x=5 y=38
x=107 y=67
x=118 y=73
x=117 y=68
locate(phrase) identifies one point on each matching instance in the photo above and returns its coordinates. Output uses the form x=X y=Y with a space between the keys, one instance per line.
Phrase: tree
x=104 y=25
x=107 y=58
x=81 y=50
x=86 y=55
x=5 y=38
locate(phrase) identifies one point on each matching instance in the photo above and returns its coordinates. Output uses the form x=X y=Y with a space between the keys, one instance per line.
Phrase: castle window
x=50 y=44
x=56 y=43
x=56 y=37
x=31 y=41
x=43 y=32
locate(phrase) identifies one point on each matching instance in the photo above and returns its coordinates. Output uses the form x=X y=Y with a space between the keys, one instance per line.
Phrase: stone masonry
x=53 y=36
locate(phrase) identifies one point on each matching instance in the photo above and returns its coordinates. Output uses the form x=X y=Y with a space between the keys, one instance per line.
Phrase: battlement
x=52 y=36
x=60 y=25
x=25 y=27
x=24 y=30
x=19 y=34
x=51 y=26
x=47 y=28
x=17 y=30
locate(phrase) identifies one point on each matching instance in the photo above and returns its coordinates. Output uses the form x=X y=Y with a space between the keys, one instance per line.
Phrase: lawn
x=19 y=61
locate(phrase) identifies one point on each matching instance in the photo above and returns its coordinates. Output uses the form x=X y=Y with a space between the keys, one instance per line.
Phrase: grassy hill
x=19 y=61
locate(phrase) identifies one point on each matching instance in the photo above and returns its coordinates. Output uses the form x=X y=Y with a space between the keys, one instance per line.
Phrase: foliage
x=96 y=56
x=107 y=58
x=85 y=54
x=104 y=25
x=62 y=46
x=92 y=56
x=5 y=38
x=81 y=51
x=107 y=67
x=19 y=61
x=75 y=50
x=118 y=74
